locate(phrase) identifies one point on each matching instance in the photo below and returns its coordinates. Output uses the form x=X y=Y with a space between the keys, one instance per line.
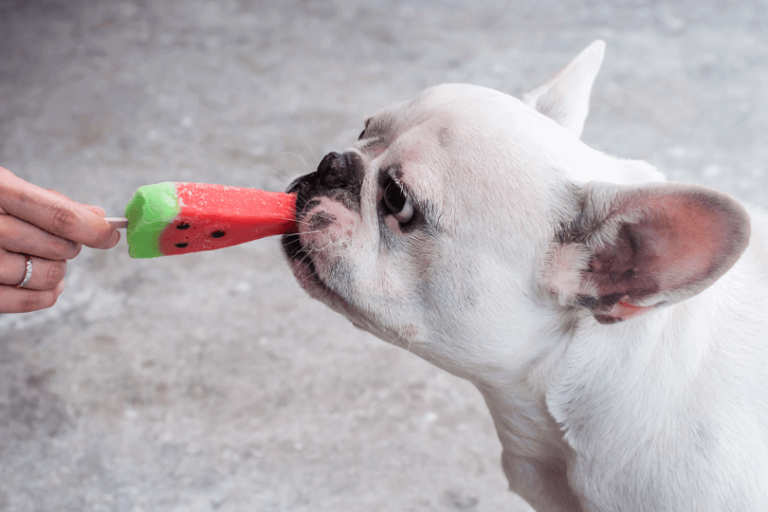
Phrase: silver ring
x=28 y=275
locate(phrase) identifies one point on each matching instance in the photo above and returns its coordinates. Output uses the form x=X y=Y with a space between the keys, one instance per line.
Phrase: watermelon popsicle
x=179 y=218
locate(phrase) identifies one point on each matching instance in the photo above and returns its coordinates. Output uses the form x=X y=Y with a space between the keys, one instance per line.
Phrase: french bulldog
x=614 y=323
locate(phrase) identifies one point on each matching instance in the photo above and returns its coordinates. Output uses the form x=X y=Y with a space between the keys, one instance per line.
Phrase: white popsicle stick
x=118 y=222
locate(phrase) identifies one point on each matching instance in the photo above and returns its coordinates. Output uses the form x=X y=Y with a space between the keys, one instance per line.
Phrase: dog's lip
x=292 y=247
x=298 y=255
x=301 y=258
x=304 y=271
x=291 y=188
x=301 y=262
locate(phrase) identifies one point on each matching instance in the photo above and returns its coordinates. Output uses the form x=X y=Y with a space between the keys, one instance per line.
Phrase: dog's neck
x=540 y=407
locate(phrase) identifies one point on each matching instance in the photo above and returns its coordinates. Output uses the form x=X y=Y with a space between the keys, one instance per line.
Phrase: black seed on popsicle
x=182 y=245
x=183 y=225
x=217 y=234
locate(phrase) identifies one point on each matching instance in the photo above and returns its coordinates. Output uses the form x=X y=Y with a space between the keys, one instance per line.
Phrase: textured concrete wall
x=210 y=381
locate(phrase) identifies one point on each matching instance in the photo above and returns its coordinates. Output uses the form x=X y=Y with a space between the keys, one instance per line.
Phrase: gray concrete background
x=210 y=381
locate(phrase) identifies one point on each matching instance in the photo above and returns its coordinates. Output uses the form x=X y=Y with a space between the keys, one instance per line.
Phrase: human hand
x=45 y=228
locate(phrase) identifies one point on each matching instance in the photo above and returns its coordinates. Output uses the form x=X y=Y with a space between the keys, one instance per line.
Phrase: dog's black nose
x=334 y=171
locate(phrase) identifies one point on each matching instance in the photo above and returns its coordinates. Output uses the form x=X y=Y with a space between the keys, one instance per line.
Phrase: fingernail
x=60 y=287
x=98 y=210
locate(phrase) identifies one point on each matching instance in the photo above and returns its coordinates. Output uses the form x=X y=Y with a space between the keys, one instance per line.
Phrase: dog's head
x=464 y=222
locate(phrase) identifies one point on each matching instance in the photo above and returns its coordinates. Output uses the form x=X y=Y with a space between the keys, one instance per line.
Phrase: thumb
x=98 y=210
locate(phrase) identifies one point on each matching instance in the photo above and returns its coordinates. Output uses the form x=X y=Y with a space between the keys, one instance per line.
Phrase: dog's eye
x=397 y=203
x=362 y=133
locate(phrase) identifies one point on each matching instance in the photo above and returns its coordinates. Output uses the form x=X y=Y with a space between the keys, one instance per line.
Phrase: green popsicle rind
x=149 y=211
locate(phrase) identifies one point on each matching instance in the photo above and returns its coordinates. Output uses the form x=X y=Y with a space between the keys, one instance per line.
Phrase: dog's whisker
x=298 y=155
x=282 y=184
x=295 y=220
x=309 y=147
x=286 y=180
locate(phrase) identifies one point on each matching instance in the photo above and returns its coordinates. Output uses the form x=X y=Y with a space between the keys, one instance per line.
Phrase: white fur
x=665 y=411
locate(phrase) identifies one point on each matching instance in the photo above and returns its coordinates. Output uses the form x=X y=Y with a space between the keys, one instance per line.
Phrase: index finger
x=54 y=213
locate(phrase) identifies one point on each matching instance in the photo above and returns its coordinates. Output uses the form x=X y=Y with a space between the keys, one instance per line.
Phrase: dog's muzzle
x=338 y=177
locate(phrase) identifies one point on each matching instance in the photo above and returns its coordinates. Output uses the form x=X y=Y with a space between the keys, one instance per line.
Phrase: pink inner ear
x=687 y=236
x=676 y=240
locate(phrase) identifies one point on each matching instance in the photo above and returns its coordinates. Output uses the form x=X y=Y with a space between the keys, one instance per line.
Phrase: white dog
x=615 y=324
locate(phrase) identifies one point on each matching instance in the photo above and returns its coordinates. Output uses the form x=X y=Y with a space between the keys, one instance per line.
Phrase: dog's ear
x=565 y=97
x=630 y=249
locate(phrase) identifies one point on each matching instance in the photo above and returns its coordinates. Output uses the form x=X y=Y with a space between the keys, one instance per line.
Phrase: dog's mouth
x=303 y=267
x=301 y=258
x=327 y=211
